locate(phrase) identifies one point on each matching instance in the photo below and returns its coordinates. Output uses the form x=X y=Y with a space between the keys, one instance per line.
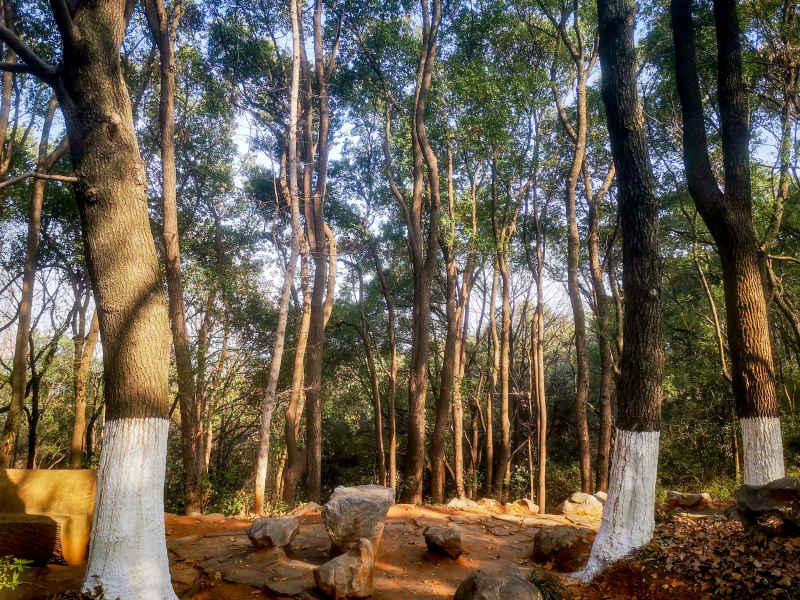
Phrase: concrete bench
x=46 y=515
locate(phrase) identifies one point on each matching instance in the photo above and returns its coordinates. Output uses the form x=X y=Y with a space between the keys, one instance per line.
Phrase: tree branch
x=39 y=67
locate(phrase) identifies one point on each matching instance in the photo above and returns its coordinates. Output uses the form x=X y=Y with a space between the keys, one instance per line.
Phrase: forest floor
x=692 y=556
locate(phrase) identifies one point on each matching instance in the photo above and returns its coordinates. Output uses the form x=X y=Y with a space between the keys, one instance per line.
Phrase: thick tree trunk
x=18 y=369
x=84 y=351
x=628 y=516
x=127 y=554
x=728 y=217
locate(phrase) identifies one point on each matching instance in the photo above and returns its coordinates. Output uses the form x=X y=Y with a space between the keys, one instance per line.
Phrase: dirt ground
x=211 y=558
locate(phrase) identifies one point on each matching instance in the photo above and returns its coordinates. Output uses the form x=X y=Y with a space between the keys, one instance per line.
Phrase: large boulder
x=349 y=575
x=567 y=548
x=505 y=586
x=692 y=501
x=444 y=540
x=773 y=508
x=274 y=532
x=357 y=512
x=581 y=504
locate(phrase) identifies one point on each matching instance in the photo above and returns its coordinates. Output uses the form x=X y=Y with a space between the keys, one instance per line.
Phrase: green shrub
x=10 y=571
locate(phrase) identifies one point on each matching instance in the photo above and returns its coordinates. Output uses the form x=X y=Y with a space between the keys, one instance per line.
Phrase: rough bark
x=728 y=216
x=127 y=555
x=628 y=518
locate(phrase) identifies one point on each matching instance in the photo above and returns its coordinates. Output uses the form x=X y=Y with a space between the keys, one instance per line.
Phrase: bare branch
x=39 y=67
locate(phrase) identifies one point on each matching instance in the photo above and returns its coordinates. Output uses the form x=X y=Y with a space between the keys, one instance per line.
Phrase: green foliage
x=11 y=569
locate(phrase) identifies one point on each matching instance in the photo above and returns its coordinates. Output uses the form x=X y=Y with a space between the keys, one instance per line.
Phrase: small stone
x=602 y=496
x=525 y=504
x=683 y=500
x=505 y=586
x=357 y=512
x=490 y=504
x=462 y=503
x=304 y=509
x=444 y=540
x=566 y=547
x=349 y=575
x=272 y=532
x=214 y=517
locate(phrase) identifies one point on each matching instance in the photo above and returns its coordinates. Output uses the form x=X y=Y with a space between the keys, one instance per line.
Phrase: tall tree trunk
x=295 y=457
x=493 y=342
x=18 y=378
x=392 y=394
x=504 y=457
x=728 y=216
x=628 y=516
x=163 y=29
x=84 y=351
x=269 y=399
x=127 y=554
x=422 y=251
x=602 y=330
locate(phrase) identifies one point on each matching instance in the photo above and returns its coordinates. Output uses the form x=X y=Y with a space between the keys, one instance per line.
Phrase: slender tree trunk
x=728 y=216
x=504 y=458
x=18 y=369
x=84 y=351
x=269 y=399
x=295 y=457
x=494 y=368
x=628 y=515
x=163 y=29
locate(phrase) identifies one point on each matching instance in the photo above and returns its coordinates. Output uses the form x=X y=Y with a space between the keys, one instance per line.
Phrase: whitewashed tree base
x=127 y=554
x=762 y=450
x=629 y=512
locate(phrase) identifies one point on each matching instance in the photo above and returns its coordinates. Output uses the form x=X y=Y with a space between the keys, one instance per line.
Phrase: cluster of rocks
x=523 y=506
x=354 y=520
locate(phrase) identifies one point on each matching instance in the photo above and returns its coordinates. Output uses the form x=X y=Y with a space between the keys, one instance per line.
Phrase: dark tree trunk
x=628 y=517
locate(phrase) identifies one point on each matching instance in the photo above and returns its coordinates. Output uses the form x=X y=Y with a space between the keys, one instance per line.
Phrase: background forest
x=481 y=167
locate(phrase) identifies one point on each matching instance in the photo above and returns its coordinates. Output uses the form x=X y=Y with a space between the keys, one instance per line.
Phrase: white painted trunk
x=128 y=554
x=628 y=515
x=762 y=450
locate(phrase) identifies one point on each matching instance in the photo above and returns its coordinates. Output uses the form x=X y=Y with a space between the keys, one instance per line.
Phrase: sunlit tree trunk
x=728 y=216
x=84 y=351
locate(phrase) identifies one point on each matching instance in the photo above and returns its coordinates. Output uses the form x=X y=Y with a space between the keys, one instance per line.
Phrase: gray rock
x=566 y=547
x=773 y=508
x=687 y=500
x=506 y=586
x=349 y=575
x=304 y=509
x=462 y=503
x=269 y=533
x=357 y=512
x=444 y=540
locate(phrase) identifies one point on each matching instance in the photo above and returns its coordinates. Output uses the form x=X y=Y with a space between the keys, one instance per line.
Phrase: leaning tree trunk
x=628 y=515
x=127 y=554
x=728 y=216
